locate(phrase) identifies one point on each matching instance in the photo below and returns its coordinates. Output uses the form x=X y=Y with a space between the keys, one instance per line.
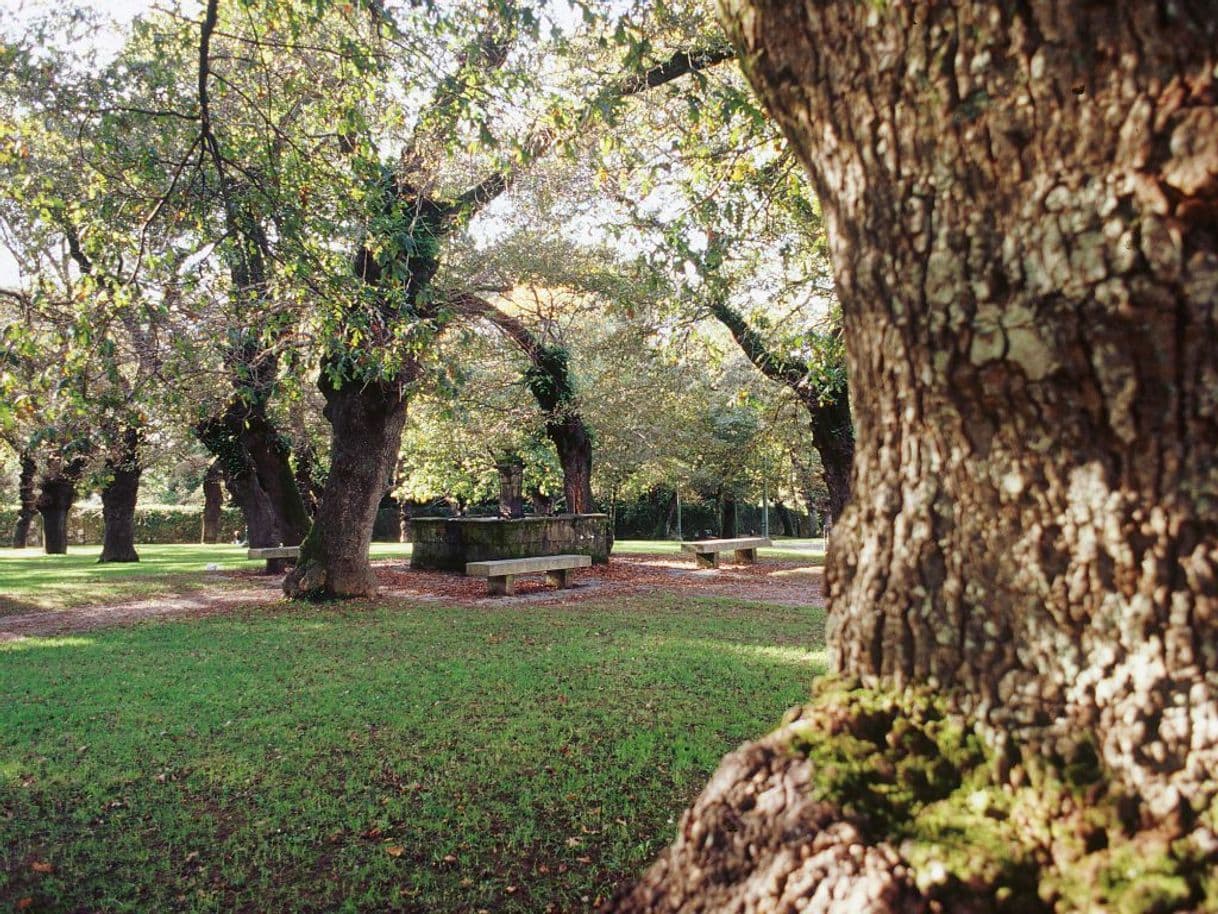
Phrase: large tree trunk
x=27 y=491
x=118 y=501
x=257 y=467
x=213 y=502
x=55 y=500
x=727 y=514
x=1022 y=201
x=574 y=447
x=366 y=420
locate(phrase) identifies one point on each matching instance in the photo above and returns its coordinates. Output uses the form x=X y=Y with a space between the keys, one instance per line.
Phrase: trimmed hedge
x=153 y=524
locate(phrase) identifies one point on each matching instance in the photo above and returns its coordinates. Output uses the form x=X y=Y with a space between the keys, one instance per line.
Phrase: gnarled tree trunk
x=55 y=499
x=366 y=421
x=213 y=502
x=256 y=462
x=27 y=491
x=784 y=518
x=118 y=500
x=574 y=446
x=1022 y=201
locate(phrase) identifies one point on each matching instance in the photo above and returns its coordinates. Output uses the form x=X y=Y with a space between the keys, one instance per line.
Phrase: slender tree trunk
x=118 y=501
x=727 y=514
x=28 y=495
x=366 y=422
x=213 y=502
x=1022 y=201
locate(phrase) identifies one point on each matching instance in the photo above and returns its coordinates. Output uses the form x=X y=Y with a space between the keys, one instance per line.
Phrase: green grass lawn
x=394 y=757
x=31 y=580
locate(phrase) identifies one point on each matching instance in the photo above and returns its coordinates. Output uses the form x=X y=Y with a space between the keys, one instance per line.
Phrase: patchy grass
x=31 y=580
x=389 y=757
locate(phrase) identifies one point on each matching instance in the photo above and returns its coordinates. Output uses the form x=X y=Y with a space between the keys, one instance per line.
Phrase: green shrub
x=153 y=524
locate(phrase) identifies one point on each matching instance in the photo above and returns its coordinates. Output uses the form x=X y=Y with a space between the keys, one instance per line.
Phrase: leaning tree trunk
x=272 y=460
x=366 y=420
x=833 y=438
x=28 y=501
x=118 y=501
x=1022 y=203
x=213 y=502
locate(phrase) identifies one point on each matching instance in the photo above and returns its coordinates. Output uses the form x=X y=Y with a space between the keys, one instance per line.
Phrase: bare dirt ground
x=779 y=582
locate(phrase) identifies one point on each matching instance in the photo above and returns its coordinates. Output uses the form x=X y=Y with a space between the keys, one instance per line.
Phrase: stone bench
x=501 y=575
x=706 y=552
x=277 y=557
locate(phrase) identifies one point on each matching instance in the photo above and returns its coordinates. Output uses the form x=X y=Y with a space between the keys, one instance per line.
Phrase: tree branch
x=540 y=141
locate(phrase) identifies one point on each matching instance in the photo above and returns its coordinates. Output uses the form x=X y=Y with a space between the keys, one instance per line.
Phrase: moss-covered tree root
x=869 y=801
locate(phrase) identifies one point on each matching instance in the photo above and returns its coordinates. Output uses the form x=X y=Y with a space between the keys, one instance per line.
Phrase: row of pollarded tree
x=383 y=319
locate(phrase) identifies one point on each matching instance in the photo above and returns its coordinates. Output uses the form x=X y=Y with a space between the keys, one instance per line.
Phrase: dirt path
x=778 y=582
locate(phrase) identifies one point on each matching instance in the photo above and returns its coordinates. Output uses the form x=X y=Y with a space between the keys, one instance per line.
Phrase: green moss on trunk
x=1056 y=837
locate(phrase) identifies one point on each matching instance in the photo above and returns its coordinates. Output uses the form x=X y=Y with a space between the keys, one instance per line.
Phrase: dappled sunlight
x=804 y=571
x=35 y=642
x=816 y=659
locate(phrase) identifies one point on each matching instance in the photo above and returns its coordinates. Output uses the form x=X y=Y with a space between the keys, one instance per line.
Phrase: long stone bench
x=501 y=575
x=277 y=557
x=706 y=552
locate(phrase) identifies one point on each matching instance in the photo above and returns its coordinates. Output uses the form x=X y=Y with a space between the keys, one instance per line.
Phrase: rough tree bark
x=119 y=497
x=213 y=502
x=1022 y=203
x=829 y=410
x=366 y=432
x=27 y=491
x=55 y=499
